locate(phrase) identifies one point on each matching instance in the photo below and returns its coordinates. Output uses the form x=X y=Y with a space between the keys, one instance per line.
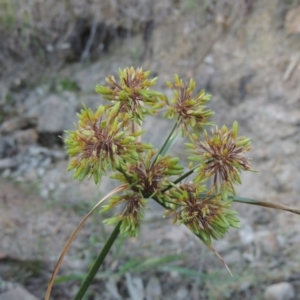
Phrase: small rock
x=8 y=146
x=289 y=147
x=44 y=193
x=33 y=99
x=209 y=59
x=261 y=216
x=17 y=294
x=233 y=257
x=5 y=285
x=135 y=287
x=176 y=234
x=3 y=92
x=266 y=242
x=112 y=289
x=246 y=234
x=297 y=184
x=274 y=112
x=205 y=73
x=26 y=137
x=153 y=289
x=17 y=123
x=292 y=21
x=55 y=115
x=280 y=291
x=31 y=175
x=8 y=163
x=223 y=246
x=182 y=293
x=275 y=91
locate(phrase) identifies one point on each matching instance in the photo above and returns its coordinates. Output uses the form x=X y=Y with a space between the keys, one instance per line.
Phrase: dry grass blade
x=266 y=204
x=73 y=235
x=211 y=248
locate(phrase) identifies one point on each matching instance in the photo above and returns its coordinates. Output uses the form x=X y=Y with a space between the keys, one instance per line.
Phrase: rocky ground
x=248 y=58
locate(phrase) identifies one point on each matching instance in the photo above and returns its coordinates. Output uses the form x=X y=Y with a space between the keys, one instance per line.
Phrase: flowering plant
x=110 y=139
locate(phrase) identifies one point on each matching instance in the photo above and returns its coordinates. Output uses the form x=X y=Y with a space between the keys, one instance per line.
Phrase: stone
x=112 y=289
x=135 y=287
x=3 y=93
x=33 y=99
x=55 y=115
x=17 y=294
x=5 y=285
x=26 y=137
x=274 y=112
x=8 y=146
x=17 y=123
x=233 y=257
x=297 y=184
x=177 y=234
x=280 y=291
x=8 y=163
x=223 y=246
x=204 y=74
x=289 y=148
x=292 y=21
x=182 y=293
x=266 y=242
x=234 y=89
x=246 y=234
x=209 y=59
x=153 y=289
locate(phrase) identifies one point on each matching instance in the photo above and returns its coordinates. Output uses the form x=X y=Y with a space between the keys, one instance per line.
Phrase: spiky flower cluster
x=221 y=156
x=191 y=110
x=100 y=143
x=107 y=140
x=132 y=212
x=147 y=179
x=150 y=177
x=205 y=215
x=132 y=92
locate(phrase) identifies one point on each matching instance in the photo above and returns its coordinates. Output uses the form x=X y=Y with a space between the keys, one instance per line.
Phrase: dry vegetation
x=52 y=32
x=49 y=33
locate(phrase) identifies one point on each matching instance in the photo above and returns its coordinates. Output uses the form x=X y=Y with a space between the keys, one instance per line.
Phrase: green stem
x=173 y=183
x=165 y=143
x=257 y=202
x=125 y=174
x=188 y=173
x=264 y=204
x=168 y=201
x=98 y=262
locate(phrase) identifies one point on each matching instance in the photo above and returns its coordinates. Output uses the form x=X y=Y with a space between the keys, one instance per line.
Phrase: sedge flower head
x=98 y=143
x=133 y=93
x=132 y=213
x=150 y=178
x=222 y=157
x=205 y=215
x=190 y=110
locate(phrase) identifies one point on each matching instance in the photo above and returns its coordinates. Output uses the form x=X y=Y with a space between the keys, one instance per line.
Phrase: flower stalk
x=98 y=262
x=109 y=139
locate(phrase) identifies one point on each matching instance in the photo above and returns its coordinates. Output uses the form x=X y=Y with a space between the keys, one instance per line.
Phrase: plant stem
x=98 y=262
x=188 y=173
x=165 y=143
x=125 y=175
x=264 y=204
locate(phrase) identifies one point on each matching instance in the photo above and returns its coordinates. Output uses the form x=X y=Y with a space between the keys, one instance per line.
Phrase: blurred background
x=246 y=53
